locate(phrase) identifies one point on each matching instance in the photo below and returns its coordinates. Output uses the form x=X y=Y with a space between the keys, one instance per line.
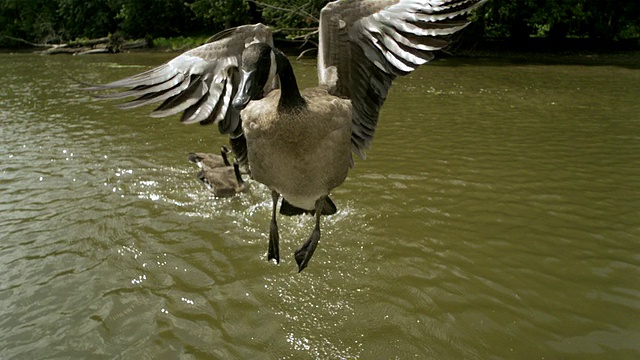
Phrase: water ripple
x=496 y=217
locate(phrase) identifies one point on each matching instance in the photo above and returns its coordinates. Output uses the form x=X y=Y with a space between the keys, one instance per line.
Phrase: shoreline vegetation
x=497 y=27
x=625 y=51
x=110 y=44
x=115 y=43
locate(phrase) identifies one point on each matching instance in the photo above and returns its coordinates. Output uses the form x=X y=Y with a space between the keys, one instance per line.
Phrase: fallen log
x=61 y=49
x=94 y=51
x=134 y=44
x=107 y=44
x=88 y=43
x=95 y=46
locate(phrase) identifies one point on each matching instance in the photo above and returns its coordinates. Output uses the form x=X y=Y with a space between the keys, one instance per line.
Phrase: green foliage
x=221 y=14
x=291 y=13
x=29 y=19
x=179 y=43
x=518 y=19
x=50 y=21
x=153 y=18
x=89 y=19
x=43 y=21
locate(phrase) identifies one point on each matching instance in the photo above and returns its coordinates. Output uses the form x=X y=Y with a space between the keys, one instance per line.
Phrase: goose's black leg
x=224 y=151
x=304 y=254
x=274 y=237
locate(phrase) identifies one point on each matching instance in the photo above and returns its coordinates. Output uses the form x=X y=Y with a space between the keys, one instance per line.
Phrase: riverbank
x=533 y=48
x=530 y=50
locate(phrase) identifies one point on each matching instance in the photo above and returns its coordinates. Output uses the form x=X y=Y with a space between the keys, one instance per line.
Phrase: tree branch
x=297 y=11
x=28 y=42
x=304 y=52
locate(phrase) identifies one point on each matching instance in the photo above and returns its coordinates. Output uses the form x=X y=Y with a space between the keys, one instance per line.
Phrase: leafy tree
x=153 y=18
x=81 y=18
x=46 y=21
x=612 y=19
x=222 y=14
x=292 y=13
x=518 y=19
x=33 y=20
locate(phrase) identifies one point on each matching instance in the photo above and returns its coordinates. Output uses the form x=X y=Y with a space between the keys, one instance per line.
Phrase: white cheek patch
x=271 y=81
x=272 y=71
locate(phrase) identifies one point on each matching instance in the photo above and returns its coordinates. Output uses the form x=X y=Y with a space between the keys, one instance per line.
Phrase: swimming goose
x=223 y=181
x=211 y=161
x=218 y=174
x=300 y=144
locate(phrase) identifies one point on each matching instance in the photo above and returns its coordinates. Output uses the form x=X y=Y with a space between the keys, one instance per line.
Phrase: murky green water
x=497 y=216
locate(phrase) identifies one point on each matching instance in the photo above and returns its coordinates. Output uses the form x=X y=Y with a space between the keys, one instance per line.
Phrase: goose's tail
x=290 y=210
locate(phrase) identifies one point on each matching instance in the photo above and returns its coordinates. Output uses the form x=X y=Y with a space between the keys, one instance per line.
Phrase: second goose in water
x=211 y=161
x=223 y=181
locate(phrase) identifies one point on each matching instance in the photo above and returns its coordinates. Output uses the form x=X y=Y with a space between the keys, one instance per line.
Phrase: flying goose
x=300 y=144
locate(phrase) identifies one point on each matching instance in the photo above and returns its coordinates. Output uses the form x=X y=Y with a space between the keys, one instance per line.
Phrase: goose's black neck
x=290 y=97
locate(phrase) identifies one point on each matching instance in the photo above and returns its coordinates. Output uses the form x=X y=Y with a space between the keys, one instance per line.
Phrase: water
x=495 y=217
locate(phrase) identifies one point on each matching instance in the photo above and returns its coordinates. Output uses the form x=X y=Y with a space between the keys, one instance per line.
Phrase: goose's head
x=257 y=71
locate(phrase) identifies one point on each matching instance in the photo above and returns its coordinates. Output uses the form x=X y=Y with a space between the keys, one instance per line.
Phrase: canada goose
x=211 y=161
x=223 y=181
x=299 y=144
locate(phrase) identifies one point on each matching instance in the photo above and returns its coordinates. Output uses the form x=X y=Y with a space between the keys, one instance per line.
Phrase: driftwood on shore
x=95 y=46
x=107 y=44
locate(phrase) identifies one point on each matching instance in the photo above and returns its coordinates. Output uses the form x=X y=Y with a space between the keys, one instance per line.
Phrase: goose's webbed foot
x=305 y=252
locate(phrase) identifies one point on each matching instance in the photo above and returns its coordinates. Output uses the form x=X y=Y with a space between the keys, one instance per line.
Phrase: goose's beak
x=247 y=90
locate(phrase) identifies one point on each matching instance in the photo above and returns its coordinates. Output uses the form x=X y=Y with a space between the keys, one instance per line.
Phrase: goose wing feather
x=366 y=44
x=200 y=83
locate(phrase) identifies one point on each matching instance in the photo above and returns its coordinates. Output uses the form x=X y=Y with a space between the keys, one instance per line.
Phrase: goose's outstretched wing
x=365 y=44
x=200 y=83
